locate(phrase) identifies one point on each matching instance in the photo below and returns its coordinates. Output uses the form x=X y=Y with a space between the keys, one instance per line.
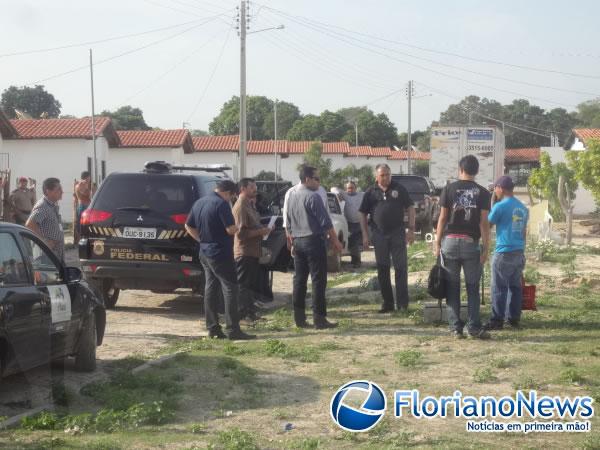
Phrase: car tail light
x=179 y=218
x=90 y=216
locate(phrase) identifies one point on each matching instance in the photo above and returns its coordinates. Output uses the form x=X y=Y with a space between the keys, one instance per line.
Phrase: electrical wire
x=211 y=76
x=158 y=41
x=337 y=36
x=469 y=58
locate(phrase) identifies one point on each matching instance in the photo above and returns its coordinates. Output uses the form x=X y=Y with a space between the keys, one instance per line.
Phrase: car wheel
x=85 y=358
x=110 y=294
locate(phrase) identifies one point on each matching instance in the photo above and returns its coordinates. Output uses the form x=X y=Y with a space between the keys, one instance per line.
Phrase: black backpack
x=437 y=282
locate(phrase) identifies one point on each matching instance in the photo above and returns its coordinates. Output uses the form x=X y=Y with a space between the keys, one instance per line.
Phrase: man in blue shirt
x=211 y=223
x=510 y=217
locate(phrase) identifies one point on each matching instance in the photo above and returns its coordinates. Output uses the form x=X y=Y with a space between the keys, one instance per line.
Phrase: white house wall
x=133 y=159
x=228 y=158
x=64 y=159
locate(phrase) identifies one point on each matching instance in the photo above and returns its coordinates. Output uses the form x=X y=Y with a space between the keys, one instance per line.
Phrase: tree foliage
x=266 y=175
x=544 y=183
x=586 y=166
x=588 y=114
x=34 y=101
x=127 y=118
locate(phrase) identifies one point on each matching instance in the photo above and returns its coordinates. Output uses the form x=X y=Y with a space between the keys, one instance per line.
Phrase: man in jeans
x=308 y=227
x=246 y=247
x=353 y=201
x=510 y=217
x=462 y=223
x=211 y=223
x=383 y=208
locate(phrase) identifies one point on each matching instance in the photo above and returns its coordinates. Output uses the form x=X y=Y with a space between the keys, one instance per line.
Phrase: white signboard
x=445 y=151
x=60 y=299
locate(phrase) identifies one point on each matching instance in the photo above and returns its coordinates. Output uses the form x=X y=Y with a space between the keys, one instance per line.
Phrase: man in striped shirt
x=45 y=220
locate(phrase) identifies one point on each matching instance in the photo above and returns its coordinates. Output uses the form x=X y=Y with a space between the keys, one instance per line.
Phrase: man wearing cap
x=211 y=223
x=22 y=201
x=510 y=217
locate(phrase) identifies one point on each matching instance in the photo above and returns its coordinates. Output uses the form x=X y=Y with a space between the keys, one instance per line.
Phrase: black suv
x=423 y=193
x=133 y=235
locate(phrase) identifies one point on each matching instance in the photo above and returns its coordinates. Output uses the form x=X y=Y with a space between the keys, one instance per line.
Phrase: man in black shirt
x=383 y=209
x=462 y=223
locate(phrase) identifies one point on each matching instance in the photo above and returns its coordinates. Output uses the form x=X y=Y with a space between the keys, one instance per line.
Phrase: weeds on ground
x=234 y=439
x=408 y=358
x=483 y=375
x=525 y=382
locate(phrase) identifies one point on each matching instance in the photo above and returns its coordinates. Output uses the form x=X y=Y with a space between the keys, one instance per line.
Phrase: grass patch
x=234 y=439
x=408 y=358
x=525 y=382
x=483 y=375
x=571 y=376
x=502 y=362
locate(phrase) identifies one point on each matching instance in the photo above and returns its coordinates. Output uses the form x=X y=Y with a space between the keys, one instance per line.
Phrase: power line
x=337 y=36
x=211 y=76
x=99 y=41
x=426 y=49
x=76 y=69
x=175 y=66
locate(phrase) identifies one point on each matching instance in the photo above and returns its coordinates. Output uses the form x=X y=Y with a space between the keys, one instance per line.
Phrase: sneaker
x=481 y=334
x=217 y=334
x=239 y=335
x=493 y=325
x=458 y=334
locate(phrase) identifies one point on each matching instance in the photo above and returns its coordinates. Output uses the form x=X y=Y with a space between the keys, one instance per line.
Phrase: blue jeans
x=507 y=270
x=310 y=257
x=462 y=253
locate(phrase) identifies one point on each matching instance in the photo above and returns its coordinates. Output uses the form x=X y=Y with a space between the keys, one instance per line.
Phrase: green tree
x=127 y=118
x=543 y=182
x=307 y=128
x=313 y=157
x=375 y=130
x=588 y=114
x=198 y=133
x=265 y=175
x=586 y=165
x=34 y=101
x=363 y=176
x=287 y=115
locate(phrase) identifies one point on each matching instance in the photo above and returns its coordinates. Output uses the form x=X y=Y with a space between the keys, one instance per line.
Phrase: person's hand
x=337 y=246
x=266 y=231
x=484 y=256
x=410 y=237
x=436 y=249
x=366 y=243
x=289 y=243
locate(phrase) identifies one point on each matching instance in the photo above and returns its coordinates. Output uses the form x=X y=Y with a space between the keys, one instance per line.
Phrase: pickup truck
x=424 y=195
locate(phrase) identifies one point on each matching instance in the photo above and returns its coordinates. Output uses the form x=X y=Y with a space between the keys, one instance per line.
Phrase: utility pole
x=242 y=168
x=93 y=121
x=356 y=131
x=275 y=126
x=409 y=139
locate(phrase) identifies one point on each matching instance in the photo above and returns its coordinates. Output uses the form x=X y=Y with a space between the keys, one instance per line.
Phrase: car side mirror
x=73 y=274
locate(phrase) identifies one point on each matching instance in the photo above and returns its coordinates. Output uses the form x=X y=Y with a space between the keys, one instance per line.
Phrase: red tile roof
x=59 y=128
x=295 y=147
x=584 y=134
x=266 y=147
x=369 y=151
x=230 y=143
x=336 y=147
x=516 y=155
x=403 y=154
x=156 y=138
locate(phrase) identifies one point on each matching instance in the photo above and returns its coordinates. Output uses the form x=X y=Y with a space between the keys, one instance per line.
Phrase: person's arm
x=317 y=208
x=34 y=226
x=193 y=232
x=410 y=237
x=484 y=228
x=227 y=219
x=365 y=230
x=439 y=232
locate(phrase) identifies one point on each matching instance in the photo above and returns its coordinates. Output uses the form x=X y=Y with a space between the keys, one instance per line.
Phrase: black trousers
x=220 y=276
x=248 y=279
x=310 y=258
x=392 y=246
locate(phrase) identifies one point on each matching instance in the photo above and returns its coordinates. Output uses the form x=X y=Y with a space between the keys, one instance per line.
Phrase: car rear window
x=413 y=184
x=167 y=194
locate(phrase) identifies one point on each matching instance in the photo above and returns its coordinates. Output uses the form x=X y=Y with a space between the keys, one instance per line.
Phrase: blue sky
x=325 y=58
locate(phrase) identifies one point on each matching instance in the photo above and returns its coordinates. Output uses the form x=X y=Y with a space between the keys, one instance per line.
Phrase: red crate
x=529 y=298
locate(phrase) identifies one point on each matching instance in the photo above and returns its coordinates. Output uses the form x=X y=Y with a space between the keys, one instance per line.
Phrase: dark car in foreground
x=47 y=312
x=133 y=235
x=423 y=193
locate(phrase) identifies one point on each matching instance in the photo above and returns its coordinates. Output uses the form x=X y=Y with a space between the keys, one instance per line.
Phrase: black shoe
x=480 y=334
x=217 y=334
x=514 y=324
x=493 y=325
x=239 y=335
x=304 y=324
x=458 y=334
x=402 y=309
x=321 y=323
x=385 y=309
x=300 y=318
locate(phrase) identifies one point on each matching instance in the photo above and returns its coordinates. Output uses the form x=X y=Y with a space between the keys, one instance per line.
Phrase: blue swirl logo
x=367 y=415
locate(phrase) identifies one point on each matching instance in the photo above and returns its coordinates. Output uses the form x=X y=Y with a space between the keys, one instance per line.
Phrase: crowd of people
x=230 y=243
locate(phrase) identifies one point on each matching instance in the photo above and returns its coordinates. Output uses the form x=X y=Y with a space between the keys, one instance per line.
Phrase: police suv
x=47 y=312
x=133 y=235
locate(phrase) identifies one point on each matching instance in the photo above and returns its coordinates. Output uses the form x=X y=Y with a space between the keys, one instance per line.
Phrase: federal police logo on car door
x=394 y=194
x=98 y=248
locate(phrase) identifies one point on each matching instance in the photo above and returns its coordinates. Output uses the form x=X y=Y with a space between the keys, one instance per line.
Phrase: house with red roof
x=215 y=150
x=519 y=162
x=580 y=138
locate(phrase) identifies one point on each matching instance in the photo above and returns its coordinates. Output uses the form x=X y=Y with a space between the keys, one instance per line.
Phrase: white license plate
x=139 y=233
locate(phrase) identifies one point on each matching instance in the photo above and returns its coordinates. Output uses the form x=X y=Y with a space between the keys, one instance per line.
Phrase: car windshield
x=166 y=194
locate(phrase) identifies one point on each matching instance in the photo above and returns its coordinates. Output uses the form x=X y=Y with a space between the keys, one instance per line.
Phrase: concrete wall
x=584 y=202
x=64 y=159
x=133 y=159
x=228 y=158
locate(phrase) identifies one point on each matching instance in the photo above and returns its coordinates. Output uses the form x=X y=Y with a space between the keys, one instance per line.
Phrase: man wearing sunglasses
x=308 y=228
